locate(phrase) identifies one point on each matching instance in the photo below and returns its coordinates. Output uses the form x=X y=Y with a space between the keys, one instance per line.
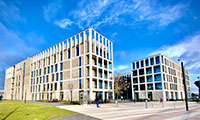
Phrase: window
x=51 y=86
x=40 y=79
x=79 y=61
x=152 y=61
x=157 y=60
x=141 y=72
x=100 y=84
x=69 y=54
x=77 y=51
x=135 y=80
x=79 y=72
x=61 y=76
x=150 y=86
x=45 y=70
x=100 y=52
x=142 y=63
x=142 y=87
x=148 y=70
x=142 y=80
x=149 y=79
x=110 y=84
x=40 y=71
x=48 y=69
x=158 y=86
x=133 y=65
x=80 y=84
x=48 y=60
x=43 y=79
x=56 y=76
x=137 y=64
x=135 y=87
x=156 y=69
x=61 y=66
x=135 y=73
x=61 y=56
x=61 y=86
x=147 y=62
x=54 y=58
x=97 y=51
x=56 y=69
x=47 y=87
x=47 y=78
x=51 y=68
x=105 y=85
x=157 y=77
x=52 y=77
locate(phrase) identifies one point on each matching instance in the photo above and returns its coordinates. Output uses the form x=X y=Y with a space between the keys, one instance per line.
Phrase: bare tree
x=121 y=84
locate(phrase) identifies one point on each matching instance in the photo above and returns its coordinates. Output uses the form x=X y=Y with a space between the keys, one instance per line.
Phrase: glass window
x=142 y=63
x=77 y=51
x=147 y=62
x=142 y=87
x=45 y=70
x=79 y=72
x=48 y=69
x=135 y=87
x=100 y=84
x=148 y=70
x=43 y=79
x=133 y=65
x=54 y=58
x=61 y=66
x=61 y=56
x=40 y=71
x=157 y=77
x=152 y=61
x=97 y=51
x=105 y=85
x=52 y=77
x=156 y=69
x=61 y=76
x=135 y=80
x=69 y=54
x=56 y=67
x=142 y=80
x=100 y=52
x=80 y=84
x=135 y=73
x=55 y=86
x=150 y=86
x=137 y=64
x=141 y=72
x=157 y=60
x=47 y=78
x=158 y=86
x=56 y=76
x=79 y=61
x=149 y=79
x=61 y=86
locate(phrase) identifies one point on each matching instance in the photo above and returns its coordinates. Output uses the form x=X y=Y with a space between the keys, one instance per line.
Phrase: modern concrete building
x=81 y=63
x=158 y=77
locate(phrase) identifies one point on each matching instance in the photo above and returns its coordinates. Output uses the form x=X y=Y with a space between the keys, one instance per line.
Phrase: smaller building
x=156 y=77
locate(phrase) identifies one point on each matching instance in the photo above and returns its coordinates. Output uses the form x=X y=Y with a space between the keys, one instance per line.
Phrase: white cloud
x=188 y=51
x=64 y=23
x=120 y=67
x=10 y=12
x=51 y=10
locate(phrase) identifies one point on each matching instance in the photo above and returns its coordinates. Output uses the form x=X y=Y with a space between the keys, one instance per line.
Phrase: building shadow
x=10 y=113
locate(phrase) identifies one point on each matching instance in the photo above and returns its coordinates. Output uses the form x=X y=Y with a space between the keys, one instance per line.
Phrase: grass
x=18 y=110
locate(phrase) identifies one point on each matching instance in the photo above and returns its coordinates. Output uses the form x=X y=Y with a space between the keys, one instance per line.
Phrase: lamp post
x=185 y=85
x=199 y=86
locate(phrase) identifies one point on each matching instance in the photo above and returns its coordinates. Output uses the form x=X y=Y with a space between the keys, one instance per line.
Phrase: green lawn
x=18 y=110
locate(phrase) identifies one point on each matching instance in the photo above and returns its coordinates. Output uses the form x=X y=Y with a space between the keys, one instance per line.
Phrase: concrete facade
x=158 y=77
x=81 y=63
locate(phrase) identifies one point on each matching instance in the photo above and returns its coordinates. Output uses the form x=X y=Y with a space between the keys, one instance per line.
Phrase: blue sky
x=137 y=29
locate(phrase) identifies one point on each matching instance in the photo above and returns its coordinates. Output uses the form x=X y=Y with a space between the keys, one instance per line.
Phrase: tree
x=121 y=84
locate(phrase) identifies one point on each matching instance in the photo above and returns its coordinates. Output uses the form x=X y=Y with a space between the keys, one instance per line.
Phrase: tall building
x=81 y=63
x=158 y=77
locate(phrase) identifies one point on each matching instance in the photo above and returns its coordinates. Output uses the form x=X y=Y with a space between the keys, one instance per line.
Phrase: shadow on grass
x=10 y=113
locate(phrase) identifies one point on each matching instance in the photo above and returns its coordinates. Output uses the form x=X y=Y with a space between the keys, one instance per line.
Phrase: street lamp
x=199 y=86
x=185 y=85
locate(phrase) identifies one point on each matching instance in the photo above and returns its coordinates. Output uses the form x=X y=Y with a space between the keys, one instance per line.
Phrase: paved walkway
x=138 y=111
